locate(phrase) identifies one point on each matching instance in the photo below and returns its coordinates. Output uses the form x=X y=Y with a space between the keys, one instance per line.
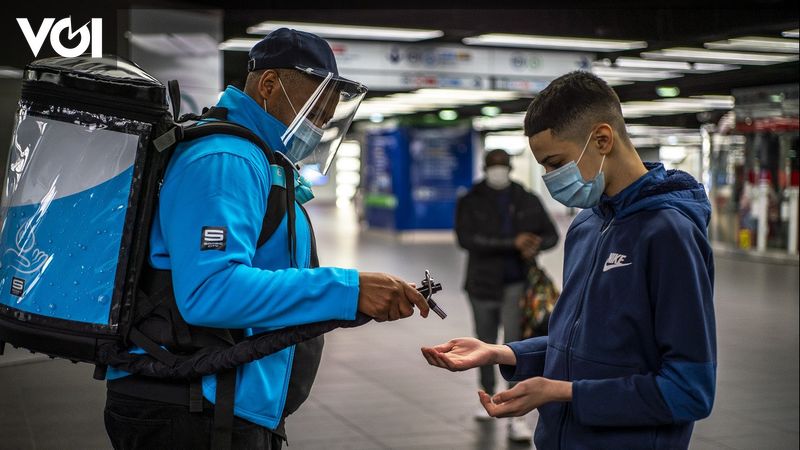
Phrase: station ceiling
x=665 y=24
x=682 y=24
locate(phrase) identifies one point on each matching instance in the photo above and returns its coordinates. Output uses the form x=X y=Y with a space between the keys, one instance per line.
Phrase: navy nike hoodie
x=634 y=326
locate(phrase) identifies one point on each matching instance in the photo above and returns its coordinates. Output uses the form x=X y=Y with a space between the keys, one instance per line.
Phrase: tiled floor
x=375 y=391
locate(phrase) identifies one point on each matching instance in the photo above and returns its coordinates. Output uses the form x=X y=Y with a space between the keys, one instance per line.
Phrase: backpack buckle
x=168 y=139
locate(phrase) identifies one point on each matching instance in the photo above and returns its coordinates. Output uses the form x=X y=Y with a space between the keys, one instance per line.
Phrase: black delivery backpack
x=91 y=141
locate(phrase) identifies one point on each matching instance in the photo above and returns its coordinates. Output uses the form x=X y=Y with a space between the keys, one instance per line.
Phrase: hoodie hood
x=659 y=189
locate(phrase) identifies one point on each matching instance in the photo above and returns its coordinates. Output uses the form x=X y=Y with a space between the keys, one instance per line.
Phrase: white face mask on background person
x=497 y=177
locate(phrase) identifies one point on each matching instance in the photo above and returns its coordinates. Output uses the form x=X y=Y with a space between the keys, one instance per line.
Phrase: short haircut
x=572 y=104
x=497 y=155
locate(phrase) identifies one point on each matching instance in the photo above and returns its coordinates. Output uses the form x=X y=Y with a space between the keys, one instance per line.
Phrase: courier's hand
x=466 y=353
x=526 y=396
x=386 y=297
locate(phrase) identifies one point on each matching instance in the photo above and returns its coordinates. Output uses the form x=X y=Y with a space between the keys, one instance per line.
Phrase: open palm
x=459 y=354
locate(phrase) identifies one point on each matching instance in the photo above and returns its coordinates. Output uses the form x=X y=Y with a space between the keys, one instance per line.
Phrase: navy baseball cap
x=285 y=48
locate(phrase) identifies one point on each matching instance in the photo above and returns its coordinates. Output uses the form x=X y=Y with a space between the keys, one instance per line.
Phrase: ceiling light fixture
x=350 y=31
x=491 y=111
x=636 y=63
x=634 y=74
x=238 y=44
x=10 y=72
x=448 y=114
x=702 y=55
x=699 y=67
x=553 y=42
x=668 y=91
x=503 y=121
x=428 y=99
x=676 y=66
x=756 y=44
x=669 y=106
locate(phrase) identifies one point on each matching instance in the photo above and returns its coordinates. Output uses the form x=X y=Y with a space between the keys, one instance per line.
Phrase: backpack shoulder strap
x=276 y=204
x=198 y=131
x=281 y=171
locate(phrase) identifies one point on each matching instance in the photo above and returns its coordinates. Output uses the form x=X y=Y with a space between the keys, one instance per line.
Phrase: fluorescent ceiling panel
x=756 y=44
x=676 y=106
x=238 y=44
x=675 y=66
x=699 y=67
x=430 y=100
x=616 y=82
x=702 y=55
x=634 y=74
x=350 y=31
x=791 y=33
x=636 y=63
x=10 y=72
x=173 y=44
x=503 y=121
x=640 y=130
x=553 y=42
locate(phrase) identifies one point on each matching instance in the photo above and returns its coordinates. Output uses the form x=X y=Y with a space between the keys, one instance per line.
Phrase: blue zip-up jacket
x=634 y=326
x=224 y=181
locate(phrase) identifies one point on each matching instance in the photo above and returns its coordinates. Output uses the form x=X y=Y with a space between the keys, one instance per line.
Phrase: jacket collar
x=614 y=205
x=243 y=110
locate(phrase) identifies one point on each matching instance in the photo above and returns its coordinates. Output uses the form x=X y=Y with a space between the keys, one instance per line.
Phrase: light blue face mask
x=302 y=190
x=305 y=139
x=567 y=186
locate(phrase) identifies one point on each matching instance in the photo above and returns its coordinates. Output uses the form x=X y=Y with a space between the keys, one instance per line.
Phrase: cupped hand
x=460 y=354
x=525 y=396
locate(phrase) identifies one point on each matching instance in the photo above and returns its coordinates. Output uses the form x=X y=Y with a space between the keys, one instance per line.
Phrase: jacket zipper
x=568 y=350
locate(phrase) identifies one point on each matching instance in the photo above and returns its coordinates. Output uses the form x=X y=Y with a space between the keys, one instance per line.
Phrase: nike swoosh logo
x=608 y=267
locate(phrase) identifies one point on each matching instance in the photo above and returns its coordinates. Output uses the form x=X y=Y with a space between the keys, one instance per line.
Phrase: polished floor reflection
x=375 y=391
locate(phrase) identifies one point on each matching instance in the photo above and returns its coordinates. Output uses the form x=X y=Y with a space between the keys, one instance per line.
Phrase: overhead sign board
x=395 y=66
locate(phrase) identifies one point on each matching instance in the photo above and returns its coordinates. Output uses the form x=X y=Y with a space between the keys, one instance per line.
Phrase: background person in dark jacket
x=503 y=227
x=630 y=360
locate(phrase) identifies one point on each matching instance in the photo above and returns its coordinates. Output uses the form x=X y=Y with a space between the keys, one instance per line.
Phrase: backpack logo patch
x=25 y=257
x=17 y=286
x=214 y=238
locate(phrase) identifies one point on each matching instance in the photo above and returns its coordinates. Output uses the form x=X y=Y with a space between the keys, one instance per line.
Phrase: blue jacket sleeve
x=680 y=284
x=530 y=355
x=221 y=288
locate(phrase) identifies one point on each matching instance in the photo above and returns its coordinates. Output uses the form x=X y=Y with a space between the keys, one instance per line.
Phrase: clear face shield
x=319 y=126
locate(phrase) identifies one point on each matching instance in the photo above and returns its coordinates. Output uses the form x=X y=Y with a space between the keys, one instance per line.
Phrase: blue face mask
x=305 y=139
x=567 y=186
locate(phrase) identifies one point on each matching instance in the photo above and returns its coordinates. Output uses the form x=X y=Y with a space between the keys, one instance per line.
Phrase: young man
x=503 y=227
x=630 y=361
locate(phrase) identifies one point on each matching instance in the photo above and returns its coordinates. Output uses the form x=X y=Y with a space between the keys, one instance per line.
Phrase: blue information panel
x=441 y=167
x=413 y=176
x=385 y=179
